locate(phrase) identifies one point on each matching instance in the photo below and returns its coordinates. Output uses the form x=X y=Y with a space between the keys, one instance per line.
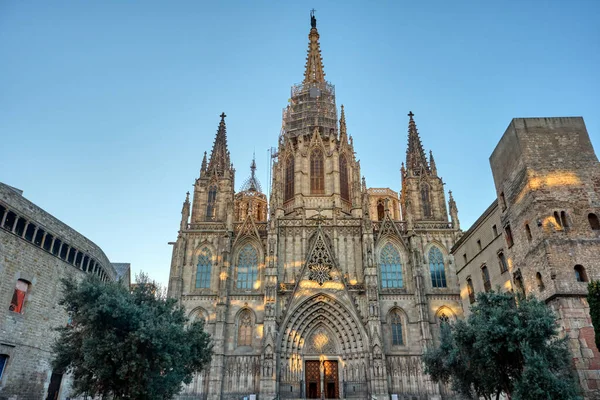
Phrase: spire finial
x=411 y=115
x=314 y=62
x=416 y=162
x=313 y=19
x=219 y=157
x=222 y=116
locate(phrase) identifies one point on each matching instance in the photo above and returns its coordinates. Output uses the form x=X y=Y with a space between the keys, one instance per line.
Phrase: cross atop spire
x=416 y=162
x=219 y=157
x=314 y=61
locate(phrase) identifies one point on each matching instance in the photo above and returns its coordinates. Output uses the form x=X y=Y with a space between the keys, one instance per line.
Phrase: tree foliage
x=593 y=298
x=128 y=344
x=507 y=345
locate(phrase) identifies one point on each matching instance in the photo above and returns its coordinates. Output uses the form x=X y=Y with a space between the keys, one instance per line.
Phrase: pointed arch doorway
x=321 y=373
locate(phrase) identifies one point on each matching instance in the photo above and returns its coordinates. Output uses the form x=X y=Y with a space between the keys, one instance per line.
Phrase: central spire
x=219 y=157
x=416 y=162
x=314 y=61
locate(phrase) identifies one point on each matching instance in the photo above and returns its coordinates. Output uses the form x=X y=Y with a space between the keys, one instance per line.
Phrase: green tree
x=128 y=344
x=593 y=298
x=507 y=345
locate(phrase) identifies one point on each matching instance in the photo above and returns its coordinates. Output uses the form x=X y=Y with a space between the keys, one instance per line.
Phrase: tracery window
x=436 y=268
x=344 y=185
x=247 y=267
x=396 y=324
x=426 y=200
x=245 y=329
x=391 y=267
x=289 y=179
x=210 y=203
x=204 y=268
x=317 y=172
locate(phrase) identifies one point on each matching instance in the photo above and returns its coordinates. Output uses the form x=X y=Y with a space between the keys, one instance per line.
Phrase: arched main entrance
x=323 y=348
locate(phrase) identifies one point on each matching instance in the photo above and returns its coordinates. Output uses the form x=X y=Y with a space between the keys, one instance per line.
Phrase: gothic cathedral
x=327 y=289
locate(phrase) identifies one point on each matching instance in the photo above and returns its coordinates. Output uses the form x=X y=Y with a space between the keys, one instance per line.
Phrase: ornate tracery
x=391 y=267
x=247 y=267
x=436 y=268
x=203 y=269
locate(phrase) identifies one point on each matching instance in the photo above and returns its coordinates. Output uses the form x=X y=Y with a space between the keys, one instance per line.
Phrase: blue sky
x=106 y=107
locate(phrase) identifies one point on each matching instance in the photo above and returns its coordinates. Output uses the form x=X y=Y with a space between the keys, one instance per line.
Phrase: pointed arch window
x=436 y=268
x=425 y=200
x=391 y=267
x=204 y=269
x=289 y=179
x=317 y=172
x=396 y=324
x=594 y=221
x=245 y=329
x=211 y=203
x=247 y=267
x=380 y=211
x=344 y=184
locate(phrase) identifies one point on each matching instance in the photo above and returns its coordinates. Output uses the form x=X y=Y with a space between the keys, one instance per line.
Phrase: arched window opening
x=557 y=220
x=528 y=232
x=540 y=282
x=594 y=221
x=580 y=274
x=508 y=235
x=396 y=323
x=502 y=262
x=470 y=290
x=425 y=200
x=502 y=201
x=211 y=203
x=391 y=267
x=380 y=211
x=487 y=285
x=245 y=329
x=317 y=172
x=247 y=267
x=344 y=184
x=436 y=268
x=563 y=219
x=3 y=361
x=289 y=179
x=18 y=300
x=443 y=318
x=519 y=285
x=204 y=268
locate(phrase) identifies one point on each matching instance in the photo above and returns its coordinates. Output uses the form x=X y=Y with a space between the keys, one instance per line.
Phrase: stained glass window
x=396 y=322
x=391 y=267
x=247 y=267
x=245 y=329
x=289 y=179
x=436 y=267
x=317 y=172
x=204 y=268
x=210 y=204
x=425 y=200
x=344 y=186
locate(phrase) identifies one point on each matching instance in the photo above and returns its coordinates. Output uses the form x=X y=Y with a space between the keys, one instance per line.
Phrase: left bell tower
x=214 y=189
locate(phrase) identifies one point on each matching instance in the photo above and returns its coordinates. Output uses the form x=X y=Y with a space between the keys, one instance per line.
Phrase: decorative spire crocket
x=416 y=162
x=204 y=165
x=432 y=166
x=314 y=61
x=219 y=157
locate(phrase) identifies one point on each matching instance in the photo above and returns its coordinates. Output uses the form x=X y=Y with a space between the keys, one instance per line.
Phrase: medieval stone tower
x=331 y=290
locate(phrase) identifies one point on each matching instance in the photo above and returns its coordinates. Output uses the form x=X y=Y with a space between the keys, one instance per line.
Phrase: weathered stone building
x=331 y=288
x=541 y=236
x=36 y=252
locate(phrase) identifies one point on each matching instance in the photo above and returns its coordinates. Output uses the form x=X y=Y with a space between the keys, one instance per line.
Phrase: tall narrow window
x=204 y=268
x=425 y=200
x=540 y=282
x=470 y=290
x=502 y=262
x=210 y=203
x=557 y=222
x=317 y=172
x=245 y=329
x=344 y=185
x=502 y=201
x=289 y=179
x=18 y=299
x=508 y=234
x=380 y=211
x=563 y=219
x=528 y=232
x=3 y=361
x=436 y=268
x=494 y=230
x=396 y=323
x=247 y=267
x=594 y=221
x=391 y=267
x=580 y=275
x=487 y=285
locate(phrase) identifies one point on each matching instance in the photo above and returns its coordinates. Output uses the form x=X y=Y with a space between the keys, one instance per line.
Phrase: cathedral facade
x=328 y=288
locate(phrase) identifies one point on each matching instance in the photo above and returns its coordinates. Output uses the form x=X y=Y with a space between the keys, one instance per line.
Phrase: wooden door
x=312 y=379
x=331 y=384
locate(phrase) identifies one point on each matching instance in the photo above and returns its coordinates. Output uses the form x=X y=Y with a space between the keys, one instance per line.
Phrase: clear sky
x=106 y=107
